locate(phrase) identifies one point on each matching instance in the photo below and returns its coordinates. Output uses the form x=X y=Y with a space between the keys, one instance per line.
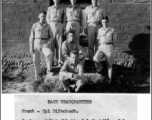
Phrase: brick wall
x=17 y=19
x=131 y=21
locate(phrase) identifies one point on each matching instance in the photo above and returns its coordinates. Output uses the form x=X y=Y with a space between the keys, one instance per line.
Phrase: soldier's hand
x=48 y=44
x=80 y=56
x=32 y=50
x=64 y=33
x=76 y=77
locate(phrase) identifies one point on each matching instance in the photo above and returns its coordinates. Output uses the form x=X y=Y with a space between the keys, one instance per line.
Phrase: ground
x=18 y=77
x=23 y=82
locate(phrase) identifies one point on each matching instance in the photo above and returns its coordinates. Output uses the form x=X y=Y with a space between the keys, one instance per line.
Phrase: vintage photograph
x=76 y=46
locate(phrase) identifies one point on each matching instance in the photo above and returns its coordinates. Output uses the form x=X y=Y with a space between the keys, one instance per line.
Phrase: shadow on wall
x=140 y=49
x=141 y=42
x=140 y=71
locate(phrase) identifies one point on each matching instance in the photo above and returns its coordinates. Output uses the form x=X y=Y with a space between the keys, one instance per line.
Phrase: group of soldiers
x=47 y=36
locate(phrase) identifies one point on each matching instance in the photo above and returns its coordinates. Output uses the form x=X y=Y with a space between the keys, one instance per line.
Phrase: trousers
x=41 y=45
x=67 y=82
x=74 y=25
x=97 y=58
x=92 y=39
x=57 y=30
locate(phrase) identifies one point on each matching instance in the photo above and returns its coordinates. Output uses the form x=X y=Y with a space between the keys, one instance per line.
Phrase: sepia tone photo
x=76 y=46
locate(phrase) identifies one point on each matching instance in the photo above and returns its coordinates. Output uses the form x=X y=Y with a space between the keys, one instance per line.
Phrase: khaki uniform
x=40 y=39
x=93 y=17
x=55 y=18
x=68 y=47
x=106 y=47
x=73 y=17
x=69 y=71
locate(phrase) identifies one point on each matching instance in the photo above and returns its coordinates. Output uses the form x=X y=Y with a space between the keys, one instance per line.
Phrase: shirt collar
x=95 y=7
x=73 y=6
x=106 y=29
x=72 y=64
x=71 y=43
x=55 y=6
x=43 y=24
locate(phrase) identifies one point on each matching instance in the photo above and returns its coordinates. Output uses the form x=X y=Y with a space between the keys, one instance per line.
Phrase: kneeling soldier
x=72 y=73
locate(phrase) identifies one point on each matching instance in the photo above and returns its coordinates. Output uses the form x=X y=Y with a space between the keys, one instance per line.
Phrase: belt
x=106 y=44
x=42 y=38
x=96 y=23
x=73 y=21
x=55 y=21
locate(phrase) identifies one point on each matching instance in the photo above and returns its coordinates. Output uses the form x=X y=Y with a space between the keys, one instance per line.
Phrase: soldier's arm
x=114 y=37
x=81 y=50
x=98 y=34
x=31 y=38
x=50 y=35
x=81 y=71
x=64 y=20
x=64 y=51
x=48 y=16
x=62 y=17
x=81 y=19
x=85 y=17
x=64 y=72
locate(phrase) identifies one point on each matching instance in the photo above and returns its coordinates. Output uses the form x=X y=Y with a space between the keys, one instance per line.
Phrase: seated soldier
x=71 y=44
x=71 y=73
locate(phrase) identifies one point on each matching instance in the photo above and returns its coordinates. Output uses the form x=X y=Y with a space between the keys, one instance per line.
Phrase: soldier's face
x=94 y=2
x=71 y=37
x=73 y=58
x=56 y=1
x=42 y=17
x=73 y=2
x=104 y=23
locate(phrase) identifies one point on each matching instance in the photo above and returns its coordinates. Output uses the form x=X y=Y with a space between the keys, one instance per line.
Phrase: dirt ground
x=18 y=77
x=23 y=82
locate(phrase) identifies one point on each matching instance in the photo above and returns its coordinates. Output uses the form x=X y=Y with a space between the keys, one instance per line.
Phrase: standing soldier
x=55 y=19
x=73 y=18
x=41 y=38
x=106 y=37
x=93 y=15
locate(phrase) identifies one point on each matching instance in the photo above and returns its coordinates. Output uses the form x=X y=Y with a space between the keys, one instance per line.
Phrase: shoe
x=107 y=80
x=71 y=90
x=38 y=78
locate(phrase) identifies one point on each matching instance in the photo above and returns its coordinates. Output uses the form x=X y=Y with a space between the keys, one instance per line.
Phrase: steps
x=88 y=68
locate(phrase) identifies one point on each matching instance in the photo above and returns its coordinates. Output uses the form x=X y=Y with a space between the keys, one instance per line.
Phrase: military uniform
x=93 y=17
x=106 y=48
x=40 y=39
x=73 y=17
x=72 y=74
x=68 y=47
x=55 y=18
